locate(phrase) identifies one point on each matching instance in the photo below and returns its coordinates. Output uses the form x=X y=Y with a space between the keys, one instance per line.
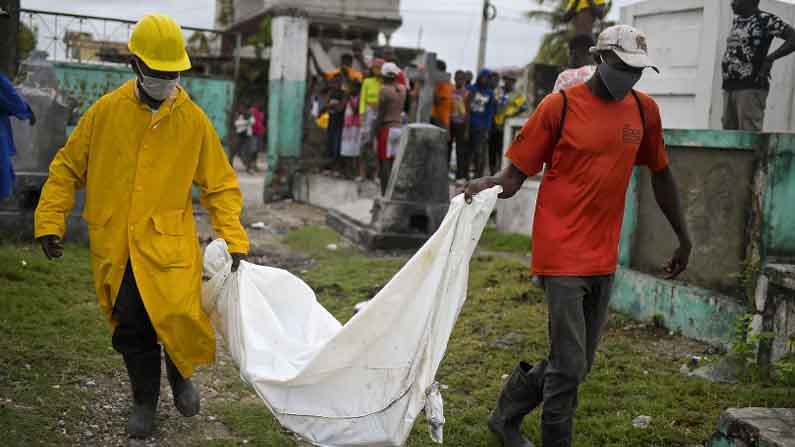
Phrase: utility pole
x=9 y=29
x=489 y=14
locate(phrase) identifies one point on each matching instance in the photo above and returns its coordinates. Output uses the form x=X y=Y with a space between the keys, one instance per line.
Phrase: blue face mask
x=618 y=82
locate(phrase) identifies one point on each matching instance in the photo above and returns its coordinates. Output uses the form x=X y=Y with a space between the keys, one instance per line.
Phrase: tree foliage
x=554 y=45
x=27 y=38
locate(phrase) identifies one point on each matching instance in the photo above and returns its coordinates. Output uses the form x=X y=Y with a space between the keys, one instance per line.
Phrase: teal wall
x=630 y=221
x=698 y=313
x=702 y=313
x=779 y=200
x=87 y=83
x=285 y=120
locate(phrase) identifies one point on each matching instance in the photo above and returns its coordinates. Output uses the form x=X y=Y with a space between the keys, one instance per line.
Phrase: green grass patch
x=629 y=378
x=493 y=240
x=313 y=240
x=51 y=335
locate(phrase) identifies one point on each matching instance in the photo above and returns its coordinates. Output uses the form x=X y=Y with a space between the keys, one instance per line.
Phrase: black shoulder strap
x=562 y=116
x=640 y=108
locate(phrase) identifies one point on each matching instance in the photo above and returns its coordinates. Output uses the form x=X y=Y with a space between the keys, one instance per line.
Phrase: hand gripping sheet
x=364 y=383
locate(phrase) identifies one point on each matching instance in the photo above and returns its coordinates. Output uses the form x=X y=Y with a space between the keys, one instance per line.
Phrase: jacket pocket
x=98 y=234
x=168 y=248
x=170 y=223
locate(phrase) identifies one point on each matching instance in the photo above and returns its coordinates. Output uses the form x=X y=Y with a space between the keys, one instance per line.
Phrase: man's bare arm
x=510 y=178
x=665 y=193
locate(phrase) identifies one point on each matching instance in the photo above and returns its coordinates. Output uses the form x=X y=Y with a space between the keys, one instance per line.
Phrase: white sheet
x=364 y=383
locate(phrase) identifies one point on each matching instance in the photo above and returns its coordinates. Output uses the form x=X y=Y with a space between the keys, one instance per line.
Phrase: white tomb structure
x=687 y=39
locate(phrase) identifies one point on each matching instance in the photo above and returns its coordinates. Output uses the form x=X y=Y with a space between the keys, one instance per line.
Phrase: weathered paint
x=287 y=89
x=712 y=139
x=698 y=313
x=630 y=222
x=779 y=222
x=87 y=83
x=286 y=101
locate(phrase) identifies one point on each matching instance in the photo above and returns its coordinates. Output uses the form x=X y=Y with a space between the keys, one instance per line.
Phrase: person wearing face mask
x=137 y=152
x=590 y=137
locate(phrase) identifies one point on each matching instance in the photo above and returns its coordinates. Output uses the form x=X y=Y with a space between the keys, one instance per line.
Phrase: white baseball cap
x=390 y=70
x=3 y=12
x=628 y=43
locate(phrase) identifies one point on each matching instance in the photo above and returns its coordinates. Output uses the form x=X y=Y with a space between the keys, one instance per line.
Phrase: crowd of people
x=364 y=114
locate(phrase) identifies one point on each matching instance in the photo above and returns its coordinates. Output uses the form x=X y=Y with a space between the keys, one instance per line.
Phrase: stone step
x=755 y=427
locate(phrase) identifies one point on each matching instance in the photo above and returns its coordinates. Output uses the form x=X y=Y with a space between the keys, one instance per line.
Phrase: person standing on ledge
x=137 y=152
x=747 y=64
x=590 y=137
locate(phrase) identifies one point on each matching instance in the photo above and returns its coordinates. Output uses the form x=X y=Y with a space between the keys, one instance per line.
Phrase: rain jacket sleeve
x=220 y=193
x=67 y=174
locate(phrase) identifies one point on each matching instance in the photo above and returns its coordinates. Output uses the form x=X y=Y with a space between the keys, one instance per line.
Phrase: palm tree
x=554 y=45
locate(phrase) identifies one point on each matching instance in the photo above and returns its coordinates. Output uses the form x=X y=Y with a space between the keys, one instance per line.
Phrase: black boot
x=144 y=372
x=186 y=396
x=557 y=434
x=522 y=392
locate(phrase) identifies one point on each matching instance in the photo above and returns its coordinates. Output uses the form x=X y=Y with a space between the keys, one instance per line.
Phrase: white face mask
x=158 y=89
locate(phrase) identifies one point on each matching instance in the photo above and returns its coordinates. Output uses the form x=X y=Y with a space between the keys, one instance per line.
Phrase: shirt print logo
x=632 y=136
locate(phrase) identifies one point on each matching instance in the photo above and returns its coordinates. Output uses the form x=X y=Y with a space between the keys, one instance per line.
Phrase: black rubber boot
x=186 y=396
x=557 y=434
x=522 y=392
x=144 y=372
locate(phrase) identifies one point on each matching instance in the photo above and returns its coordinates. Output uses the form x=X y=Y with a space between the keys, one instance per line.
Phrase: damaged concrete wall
x=715 y=192
x=87 y=83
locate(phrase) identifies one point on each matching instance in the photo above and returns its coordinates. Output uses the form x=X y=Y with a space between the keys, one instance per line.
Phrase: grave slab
x=755 y=427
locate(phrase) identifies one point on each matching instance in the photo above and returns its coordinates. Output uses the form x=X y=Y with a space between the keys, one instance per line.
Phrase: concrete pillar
x=287 y=93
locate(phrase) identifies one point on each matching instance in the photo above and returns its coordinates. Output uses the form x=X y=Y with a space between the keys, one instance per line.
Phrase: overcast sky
x=448 y=27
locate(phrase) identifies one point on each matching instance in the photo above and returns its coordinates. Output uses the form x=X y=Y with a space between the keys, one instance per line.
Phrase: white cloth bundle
x=364 y=383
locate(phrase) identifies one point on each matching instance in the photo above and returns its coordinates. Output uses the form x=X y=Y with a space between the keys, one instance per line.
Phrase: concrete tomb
x=416 y=199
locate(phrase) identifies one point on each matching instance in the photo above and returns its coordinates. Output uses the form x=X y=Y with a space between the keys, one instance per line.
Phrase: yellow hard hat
x=158 y=40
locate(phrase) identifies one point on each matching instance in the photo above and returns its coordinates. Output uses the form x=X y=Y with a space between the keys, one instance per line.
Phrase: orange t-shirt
x=580 y=203
x=443 y=106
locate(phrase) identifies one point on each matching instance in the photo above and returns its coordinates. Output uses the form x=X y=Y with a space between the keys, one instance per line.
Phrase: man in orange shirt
x=590 y=137
x=442 y=100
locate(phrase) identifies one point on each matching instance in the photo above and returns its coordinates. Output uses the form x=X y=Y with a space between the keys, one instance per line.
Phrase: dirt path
x=107 y=411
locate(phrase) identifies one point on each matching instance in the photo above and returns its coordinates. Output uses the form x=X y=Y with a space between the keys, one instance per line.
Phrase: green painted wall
x=779 y=200
x=699 y=313
x=87 y=83
x=702 y=313
x=285 y=120
x=712 y=139
x=630 y=222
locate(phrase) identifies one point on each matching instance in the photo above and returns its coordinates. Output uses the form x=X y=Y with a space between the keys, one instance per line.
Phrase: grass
x=50 y=336
x=51 y=332
x=493 y=240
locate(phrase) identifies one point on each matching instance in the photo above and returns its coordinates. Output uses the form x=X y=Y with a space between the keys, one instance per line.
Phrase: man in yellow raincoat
x=137 y=152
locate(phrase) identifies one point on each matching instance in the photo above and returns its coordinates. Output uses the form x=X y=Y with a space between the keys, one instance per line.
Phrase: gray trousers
x=577 y=315
x=744 y=109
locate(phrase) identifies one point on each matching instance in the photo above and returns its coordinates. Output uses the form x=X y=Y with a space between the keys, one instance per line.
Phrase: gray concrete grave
x=416 y=200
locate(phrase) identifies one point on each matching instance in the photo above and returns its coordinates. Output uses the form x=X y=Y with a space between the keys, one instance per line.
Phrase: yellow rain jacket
x=138 y=168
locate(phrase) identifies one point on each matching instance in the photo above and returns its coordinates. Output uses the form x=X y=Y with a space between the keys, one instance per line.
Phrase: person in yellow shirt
x=583 y=14
x=510 y=102
x=137 y=152
x=368 y=110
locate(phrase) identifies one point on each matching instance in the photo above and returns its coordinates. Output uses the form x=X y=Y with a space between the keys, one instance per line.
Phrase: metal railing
x=102 y=40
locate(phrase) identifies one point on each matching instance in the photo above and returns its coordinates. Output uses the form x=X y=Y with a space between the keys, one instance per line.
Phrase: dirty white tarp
x=364 y=383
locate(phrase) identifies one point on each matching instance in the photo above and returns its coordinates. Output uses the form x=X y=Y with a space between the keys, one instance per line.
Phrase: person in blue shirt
x=11 y=104
x=482 y=106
